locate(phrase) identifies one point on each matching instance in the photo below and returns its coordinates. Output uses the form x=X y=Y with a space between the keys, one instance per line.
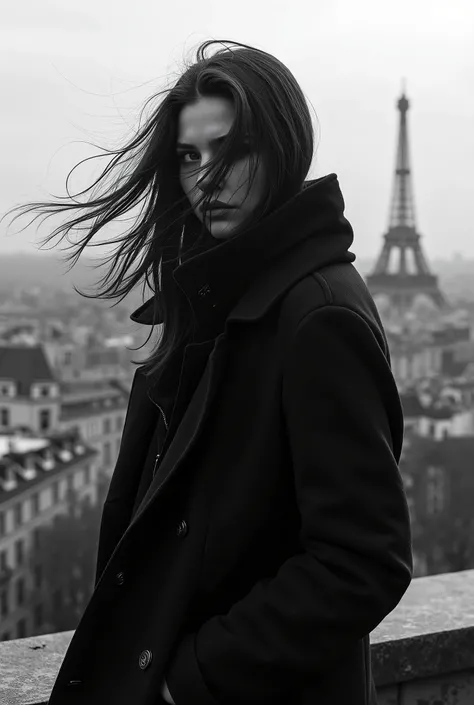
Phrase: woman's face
x=202 y=127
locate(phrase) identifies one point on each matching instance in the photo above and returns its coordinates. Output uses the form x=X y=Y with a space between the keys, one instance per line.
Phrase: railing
x=422 y=653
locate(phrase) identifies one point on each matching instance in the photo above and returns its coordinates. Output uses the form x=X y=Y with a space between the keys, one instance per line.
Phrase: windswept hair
x=270 y=109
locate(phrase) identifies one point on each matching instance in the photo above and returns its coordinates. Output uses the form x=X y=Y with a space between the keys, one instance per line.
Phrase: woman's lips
x=218 y=212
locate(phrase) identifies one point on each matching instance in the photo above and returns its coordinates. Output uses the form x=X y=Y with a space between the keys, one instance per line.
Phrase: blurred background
x=391 y=88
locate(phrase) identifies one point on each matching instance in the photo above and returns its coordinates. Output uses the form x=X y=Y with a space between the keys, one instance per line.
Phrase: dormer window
x=48 y=461
x=29 y=469
x=7 y=389
x=44 y=390
x=65 y=455
x=8 y=480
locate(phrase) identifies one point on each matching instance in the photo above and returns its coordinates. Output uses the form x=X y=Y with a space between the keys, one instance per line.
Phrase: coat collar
x=308 y=232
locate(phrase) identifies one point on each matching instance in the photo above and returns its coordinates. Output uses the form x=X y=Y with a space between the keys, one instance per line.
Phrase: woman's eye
x=183 y=157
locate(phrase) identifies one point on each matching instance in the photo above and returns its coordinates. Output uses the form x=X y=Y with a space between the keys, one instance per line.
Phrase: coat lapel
x=192 y=422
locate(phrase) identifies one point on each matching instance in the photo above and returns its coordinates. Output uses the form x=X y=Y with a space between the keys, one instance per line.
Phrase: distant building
x=71 y=361
x=439 y=484
x=32 y=397
x=414 y=356
x=417 y=354
x=457 y=357
x=97 y=409
x=29 y=391
x=36 y=475
x=440 y=420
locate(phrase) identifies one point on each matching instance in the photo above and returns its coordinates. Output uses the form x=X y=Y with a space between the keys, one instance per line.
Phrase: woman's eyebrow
x=185 y=145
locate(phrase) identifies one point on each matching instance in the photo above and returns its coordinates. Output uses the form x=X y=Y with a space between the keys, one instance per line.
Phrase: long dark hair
x=269 y=106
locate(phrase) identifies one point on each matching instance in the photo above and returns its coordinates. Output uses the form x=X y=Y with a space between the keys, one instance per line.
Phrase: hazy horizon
x=83 y=73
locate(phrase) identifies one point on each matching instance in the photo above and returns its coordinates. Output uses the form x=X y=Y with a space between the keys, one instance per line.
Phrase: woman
x=256 y=528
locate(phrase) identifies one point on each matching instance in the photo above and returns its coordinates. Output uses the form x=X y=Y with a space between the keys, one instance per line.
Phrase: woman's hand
x=166 y=694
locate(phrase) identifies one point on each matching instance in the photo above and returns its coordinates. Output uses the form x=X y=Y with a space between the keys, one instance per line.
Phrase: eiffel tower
x=407 y=280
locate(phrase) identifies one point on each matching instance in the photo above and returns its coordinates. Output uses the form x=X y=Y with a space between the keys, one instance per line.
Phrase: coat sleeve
x=344 y=425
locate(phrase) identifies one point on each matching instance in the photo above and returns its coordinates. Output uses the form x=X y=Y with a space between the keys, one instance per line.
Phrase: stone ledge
x=29 y=667
x=429 y=634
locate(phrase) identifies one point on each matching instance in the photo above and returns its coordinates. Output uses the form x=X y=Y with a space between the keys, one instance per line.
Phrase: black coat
x=275 y=536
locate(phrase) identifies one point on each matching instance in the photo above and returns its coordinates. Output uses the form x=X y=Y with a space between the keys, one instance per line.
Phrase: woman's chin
x=221 y=230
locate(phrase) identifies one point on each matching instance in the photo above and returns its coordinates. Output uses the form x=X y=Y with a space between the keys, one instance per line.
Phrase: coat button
x=145 y=659
x=182 y=529
x=120 y=578
x=204 y=290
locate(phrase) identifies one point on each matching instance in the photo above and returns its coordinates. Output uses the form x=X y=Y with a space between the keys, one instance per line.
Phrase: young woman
x=256 y=528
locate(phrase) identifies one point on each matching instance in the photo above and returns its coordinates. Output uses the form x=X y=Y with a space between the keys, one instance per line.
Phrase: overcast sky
x=69 y=75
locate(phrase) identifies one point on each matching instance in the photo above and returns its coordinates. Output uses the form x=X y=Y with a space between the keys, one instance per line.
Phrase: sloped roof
x=25 y=365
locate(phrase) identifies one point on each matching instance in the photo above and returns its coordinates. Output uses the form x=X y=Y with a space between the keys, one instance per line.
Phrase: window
x=35 y=504
x=79 y=479
x=2 y=525
x=435 y=490
x=44 y=391
x=4 y=603
x=3 y=562
x=21 y=628
x=118 y=423
x=19 y=552
x=55 y=493
x=106 y=426
x=46 y=498
x=87 y=474
x=36 y=538
x=38 y=573
x=63 y=488
x=44 y=419
x=20 y=592
x=17 y=514
x=38 y=615
x=4 y=417
x=107 y=454
x=67 y=359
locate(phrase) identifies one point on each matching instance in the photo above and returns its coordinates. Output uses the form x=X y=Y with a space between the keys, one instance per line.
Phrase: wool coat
x=275 y=535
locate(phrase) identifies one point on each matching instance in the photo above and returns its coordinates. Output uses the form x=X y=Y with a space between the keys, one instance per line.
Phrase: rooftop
x=21 y=445
x=25 y=461
x=25 y=366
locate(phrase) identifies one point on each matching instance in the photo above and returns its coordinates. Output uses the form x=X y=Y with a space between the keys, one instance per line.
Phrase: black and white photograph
x=237 y=352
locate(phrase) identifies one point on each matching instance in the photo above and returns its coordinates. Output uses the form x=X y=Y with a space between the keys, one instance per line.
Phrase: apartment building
x=37 y=475
x=29 y=391
x=97 y=409
x=34 y=398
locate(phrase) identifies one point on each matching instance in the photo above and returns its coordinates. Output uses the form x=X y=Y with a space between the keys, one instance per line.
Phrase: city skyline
x=82 y=74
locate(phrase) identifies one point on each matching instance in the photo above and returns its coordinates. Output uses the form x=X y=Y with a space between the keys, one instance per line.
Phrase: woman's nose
x=205 y=179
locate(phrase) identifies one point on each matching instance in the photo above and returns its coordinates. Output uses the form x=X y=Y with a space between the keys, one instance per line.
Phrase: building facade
x=33 y=398
x=37 y=476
